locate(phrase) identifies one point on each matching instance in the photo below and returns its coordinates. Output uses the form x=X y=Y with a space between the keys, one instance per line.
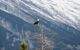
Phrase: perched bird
x=36 y=22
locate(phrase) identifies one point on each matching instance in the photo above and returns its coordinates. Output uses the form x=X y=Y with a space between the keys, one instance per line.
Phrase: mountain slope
x=17 y=18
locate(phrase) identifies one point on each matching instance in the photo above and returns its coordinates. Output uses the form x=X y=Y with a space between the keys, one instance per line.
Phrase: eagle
x=36 y=22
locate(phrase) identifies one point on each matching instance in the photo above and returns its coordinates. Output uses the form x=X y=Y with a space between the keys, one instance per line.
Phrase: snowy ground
x=56 y=12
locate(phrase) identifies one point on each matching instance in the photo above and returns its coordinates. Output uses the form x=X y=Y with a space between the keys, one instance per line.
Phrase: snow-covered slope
x=59 y=19
x=65 y=11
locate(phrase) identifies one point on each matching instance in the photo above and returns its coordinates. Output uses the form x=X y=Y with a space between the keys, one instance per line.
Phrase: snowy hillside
x=59 y=20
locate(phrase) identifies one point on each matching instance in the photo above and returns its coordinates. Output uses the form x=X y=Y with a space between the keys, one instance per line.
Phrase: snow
x=68 y=10
x=62 y=11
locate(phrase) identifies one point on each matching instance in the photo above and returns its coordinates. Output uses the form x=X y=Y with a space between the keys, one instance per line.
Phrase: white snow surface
x=64 y=11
